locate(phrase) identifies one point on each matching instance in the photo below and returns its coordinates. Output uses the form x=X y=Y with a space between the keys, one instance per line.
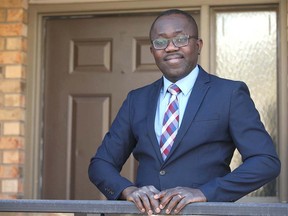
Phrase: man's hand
x=143 y=198
x=177 y=198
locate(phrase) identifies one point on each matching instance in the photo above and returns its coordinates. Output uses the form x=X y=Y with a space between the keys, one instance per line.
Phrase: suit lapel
x=197 y=95
x=154 y=95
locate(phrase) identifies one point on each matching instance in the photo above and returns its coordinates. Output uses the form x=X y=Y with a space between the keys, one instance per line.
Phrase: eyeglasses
x=178 y=41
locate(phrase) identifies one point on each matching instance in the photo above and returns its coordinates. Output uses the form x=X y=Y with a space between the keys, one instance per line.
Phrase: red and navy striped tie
x=170 y=122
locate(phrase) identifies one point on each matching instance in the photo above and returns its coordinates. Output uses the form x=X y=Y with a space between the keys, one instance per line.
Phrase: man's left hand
x=177 y=198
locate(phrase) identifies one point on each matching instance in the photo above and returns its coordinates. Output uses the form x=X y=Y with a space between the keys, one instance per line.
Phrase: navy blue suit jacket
x=220 y=116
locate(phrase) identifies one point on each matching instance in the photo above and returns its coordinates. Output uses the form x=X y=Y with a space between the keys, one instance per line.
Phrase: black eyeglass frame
x=173 y=41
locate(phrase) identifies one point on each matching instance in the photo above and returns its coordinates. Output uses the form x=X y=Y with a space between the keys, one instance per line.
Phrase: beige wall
x=13 y=48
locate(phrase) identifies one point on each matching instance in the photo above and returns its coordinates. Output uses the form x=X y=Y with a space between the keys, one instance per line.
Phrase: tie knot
x=174 y=89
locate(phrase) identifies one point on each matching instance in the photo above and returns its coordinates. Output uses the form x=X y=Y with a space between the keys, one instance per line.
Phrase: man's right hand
x=143 y=198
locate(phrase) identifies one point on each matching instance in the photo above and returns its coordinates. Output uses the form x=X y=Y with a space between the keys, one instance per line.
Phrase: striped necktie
x=170 y=122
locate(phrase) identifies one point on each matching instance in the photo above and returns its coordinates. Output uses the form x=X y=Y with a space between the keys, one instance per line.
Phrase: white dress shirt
x=186 y=85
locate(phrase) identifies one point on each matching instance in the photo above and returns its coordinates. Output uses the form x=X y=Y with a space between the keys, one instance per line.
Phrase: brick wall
x=13 y=47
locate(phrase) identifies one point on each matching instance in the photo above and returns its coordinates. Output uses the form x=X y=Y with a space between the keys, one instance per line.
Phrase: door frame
x=34 y=94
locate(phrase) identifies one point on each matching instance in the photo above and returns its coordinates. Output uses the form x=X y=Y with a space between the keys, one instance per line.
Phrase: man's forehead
x=172 y=17
x=174 y=23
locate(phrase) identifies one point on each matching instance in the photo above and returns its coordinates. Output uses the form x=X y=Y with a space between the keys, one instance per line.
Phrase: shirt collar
x=185 y=84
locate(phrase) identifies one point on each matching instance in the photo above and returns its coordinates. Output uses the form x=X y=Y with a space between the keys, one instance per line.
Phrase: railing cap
x=124 y=207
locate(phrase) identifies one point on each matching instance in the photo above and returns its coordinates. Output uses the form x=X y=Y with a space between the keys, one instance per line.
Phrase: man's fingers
x=153 y=189
x=154 y=203
x=137 y=201
x=177 y=198
x=181 y=204
x=160 y=195
x=149 y=203
x=144 y=199
x=166 y=196
x=146 y=203
x=174 y=201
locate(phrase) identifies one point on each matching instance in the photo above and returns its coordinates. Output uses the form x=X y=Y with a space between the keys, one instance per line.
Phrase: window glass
x=246 y=49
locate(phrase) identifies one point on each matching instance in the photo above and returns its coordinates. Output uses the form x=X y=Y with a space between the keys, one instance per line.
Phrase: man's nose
x=171 y=47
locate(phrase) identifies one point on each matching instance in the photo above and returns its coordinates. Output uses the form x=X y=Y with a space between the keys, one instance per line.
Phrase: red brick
x=8 y=196
x=13 y=57
x=2 y=100
x=13 y=157
x=2 y=44
x=14 y=3
x=10 y=186
x=11 y=143
x=16 y=43
x=3 y=15
x=13 y=128
x=12 y=100
x=16 y=15
x=13 y=29
x=12 y=86
x=12 y=114
x=11 y=171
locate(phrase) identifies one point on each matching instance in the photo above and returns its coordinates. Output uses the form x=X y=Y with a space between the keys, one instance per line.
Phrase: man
x=184 y=140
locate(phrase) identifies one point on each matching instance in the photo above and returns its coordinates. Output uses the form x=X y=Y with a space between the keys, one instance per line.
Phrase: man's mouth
x=173 y=58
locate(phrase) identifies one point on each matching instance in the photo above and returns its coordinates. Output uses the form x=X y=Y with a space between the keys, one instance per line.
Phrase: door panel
x=90 y=118
x=90 y=66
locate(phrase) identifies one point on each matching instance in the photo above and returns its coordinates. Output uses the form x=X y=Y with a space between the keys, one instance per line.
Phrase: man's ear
x=200 y=45
x=151 y=49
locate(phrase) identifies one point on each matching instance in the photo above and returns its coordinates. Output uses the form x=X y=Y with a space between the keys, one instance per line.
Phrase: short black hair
x=176 y=11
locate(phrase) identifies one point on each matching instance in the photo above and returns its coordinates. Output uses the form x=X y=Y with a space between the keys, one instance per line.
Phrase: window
x=246 y=50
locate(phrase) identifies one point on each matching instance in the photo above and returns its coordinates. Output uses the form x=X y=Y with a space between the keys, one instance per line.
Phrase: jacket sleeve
x=260 y=161
x=117 y=145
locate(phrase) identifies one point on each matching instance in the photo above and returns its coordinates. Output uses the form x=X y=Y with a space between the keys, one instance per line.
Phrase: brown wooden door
x=90 y=65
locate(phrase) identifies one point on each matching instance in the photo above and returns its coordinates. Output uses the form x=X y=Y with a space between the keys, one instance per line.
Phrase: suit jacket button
x=162 y=172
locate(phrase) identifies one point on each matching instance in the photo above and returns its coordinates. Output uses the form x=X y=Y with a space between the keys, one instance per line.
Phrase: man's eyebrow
x=165 y=34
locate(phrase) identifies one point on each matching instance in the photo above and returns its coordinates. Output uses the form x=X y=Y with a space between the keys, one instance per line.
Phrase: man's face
x=175 y=62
